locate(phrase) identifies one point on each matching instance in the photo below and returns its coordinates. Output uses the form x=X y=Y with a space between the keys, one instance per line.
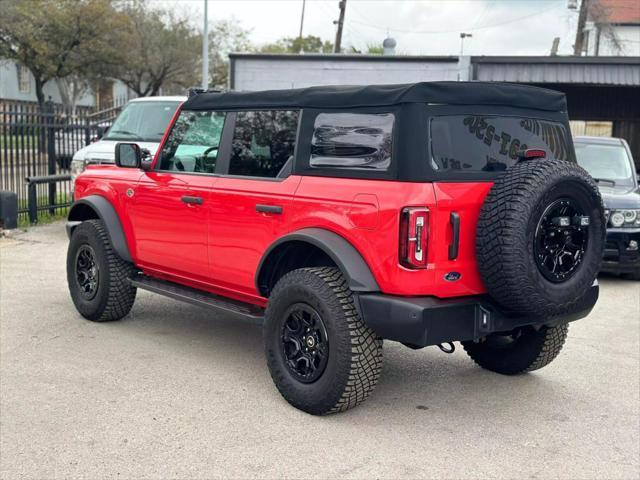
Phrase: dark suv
x=610 y=162
x=341 y=216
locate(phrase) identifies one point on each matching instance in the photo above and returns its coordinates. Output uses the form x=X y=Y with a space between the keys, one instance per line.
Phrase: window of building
x=263 y=143
x=352 y=140
x=491 y=143
x=24 y=79
x=192 y=146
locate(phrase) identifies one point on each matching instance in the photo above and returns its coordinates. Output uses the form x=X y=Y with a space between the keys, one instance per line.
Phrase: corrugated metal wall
x=556 y=72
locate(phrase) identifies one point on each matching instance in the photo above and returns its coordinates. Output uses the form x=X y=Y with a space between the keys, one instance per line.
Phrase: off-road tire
x=506 y=233
x=115 y=295
x=355 y=351
x=532 y=350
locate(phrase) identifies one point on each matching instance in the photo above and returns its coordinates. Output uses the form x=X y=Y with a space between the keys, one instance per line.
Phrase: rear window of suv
x=489 y=143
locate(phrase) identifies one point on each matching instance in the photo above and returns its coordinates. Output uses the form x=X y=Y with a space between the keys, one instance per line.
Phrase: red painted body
x=217 y=246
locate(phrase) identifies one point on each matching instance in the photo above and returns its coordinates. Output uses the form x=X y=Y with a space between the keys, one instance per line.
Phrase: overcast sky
x=420 y=27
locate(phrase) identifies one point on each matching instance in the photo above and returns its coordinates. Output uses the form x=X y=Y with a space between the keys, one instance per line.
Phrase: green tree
x=374 y=49
x=55 y=39
x=308 y=44
x=159 y=50
x=225 y=37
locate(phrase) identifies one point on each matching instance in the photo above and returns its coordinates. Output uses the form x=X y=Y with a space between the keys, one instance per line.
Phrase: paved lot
x=172 y=391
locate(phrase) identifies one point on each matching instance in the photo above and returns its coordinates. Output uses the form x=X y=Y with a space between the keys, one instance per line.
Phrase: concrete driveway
x=173 y=391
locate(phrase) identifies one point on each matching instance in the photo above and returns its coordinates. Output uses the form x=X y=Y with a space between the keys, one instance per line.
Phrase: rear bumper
x=618 y=258
x=423 y=321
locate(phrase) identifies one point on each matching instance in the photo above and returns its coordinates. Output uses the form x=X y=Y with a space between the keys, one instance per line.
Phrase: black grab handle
x=454 y=219
x=277 y=209
x=192 y=200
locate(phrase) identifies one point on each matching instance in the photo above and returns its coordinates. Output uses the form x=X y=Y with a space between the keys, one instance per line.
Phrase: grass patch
x=18 y=141
x=44 y=216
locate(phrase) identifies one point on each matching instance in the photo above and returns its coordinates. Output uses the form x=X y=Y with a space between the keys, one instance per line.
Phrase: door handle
x=192 y=200
x=276 y=209
x=454 y=219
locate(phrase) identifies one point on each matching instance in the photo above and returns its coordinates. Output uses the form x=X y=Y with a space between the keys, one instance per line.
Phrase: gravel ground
x=173 y=391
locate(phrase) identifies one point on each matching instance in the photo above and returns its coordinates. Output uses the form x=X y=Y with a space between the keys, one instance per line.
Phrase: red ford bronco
x=341 y=216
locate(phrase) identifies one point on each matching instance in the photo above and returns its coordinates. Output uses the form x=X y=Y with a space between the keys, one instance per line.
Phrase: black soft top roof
x=448 y=93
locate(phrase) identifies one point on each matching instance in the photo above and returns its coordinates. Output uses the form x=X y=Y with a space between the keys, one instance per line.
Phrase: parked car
x=342 y=216
x=610 y=162
x=70 y=139
x=143 y=120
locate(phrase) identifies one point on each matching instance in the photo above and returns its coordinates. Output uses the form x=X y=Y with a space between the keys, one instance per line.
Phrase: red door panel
x=171 y=235
x=240 y=234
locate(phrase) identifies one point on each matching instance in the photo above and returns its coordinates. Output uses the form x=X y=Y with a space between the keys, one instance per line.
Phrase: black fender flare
x=105 y=212
x=343 y=254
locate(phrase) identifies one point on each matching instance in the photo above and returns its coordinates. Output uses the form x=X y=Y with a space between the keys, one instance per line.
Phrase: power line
x=456 y=30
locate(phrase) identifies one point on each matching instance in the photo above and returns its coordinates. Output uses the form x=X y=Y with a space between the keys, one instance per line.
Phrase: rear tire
x=525 y=350
x=313 y=308
x=98 y=278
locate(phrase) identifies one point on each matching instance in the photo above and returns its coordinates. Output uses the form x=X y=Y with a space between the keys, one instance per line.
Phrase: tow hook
x=447 y=347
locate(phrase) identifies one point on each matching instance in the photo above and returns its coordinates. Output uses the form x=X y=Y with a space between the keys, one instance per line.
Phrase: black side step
x=199 y=298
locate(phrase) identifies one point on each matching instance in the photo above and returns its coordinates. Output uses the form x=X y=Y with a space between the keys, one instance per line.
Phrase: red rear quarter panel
x=367 y=214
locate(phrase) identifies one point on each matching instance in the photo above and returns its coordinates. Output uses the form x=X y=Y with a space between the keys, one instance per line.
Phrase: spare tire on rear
x=540 y=237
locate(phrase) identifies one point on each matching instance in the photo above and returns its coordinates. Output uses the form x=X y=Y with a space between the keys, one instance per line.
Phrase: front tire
x=523 y=350
x=98 y=278
x=321 y=355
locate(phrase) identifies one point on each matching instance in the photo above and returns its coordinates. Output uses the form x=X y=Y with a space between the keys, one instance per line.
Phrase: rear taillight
x=414 y=230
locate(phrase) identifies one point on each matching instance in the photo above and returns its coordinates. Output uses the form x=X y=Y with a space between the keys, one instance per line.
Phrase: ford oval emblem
x=452 y=276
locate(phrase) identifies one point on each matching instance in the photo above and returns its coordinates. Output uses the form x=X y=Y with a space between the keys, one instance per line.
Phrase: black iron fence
x=37 y=144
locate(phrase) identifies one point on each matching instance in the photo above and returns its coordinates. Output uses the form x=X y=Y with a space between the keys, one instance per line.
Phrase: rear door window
x=489 y=143
x=357 y=141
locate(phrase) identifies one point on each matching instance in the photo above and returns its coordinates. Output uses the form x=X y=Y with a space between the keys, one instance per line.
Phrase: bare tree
x=161 y=51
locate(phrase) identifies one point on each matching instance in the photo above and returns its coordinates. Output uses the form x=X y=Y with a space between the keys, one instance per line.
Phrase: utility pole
x=301 y=26
x=205 y=48
x=343 y=6
x=582 y=20
x=554 y=47
x=302 y=19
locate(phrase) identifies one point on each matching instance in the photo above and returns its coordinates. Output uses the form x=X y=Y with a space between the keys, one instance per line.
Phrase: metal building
x=605 y=89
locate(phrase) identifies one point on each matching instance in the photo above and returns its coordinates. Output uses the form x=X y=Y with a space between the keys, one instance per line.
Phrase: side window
x=192 y=146
x=352 y=141
x=263 y=143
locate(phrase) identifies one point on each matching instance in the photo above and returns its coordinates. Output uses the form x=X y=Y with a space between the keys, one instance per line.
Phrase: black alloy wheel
x=561 y=239
x=98 y=278
x=87 y=272
x=305 y=343
x=322 y=357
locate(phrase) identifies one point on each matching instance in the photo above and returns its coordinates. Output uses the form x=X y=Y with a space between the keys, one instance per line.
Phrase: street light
x=462 y=37
x=205 y=49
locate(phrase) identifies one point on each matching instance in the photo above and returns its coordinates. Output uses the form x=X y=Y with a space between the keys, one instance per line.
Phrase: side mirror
x=128 y=155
